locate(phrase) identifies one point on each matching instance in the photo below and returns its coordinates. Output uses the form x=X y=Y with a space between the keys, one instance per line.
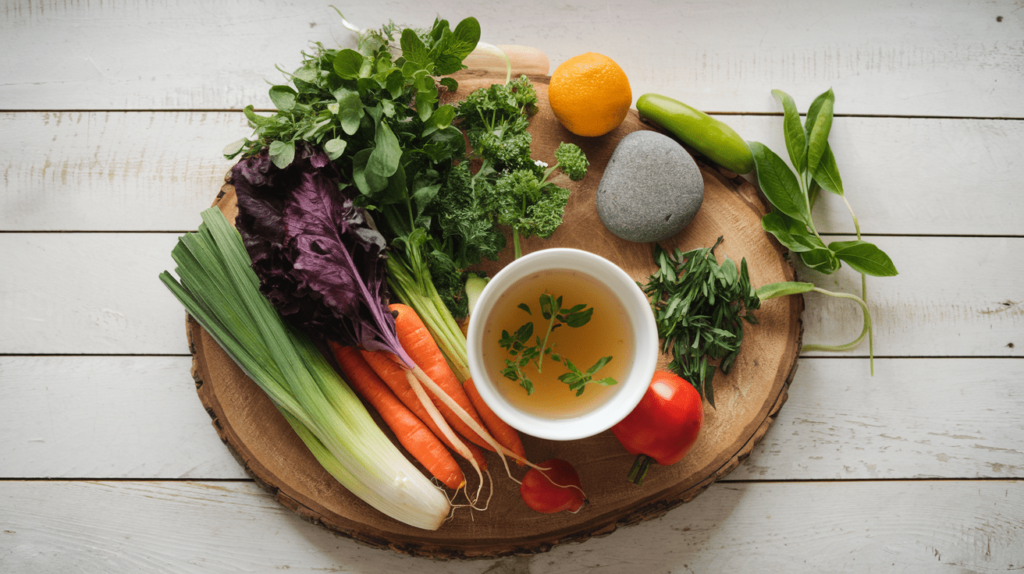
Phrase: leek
x=220 y=290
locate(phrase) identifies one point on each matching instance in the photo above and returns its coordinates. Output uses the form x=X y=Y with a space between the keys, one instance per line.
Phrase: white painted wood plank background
x=134 y=103
x=117 y=527
x=944 y=58
x=99 y=293
x=139 y=418
x=154 y=171
x=107 y=417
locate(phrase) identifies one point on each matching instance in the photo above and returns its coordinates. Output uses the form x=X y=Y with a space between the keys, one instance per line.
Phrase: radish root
x=502 y=451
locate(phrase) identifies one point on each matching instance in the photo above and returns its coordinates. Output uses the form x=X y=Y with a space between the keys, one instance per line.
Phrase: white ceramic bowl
x=626 y=394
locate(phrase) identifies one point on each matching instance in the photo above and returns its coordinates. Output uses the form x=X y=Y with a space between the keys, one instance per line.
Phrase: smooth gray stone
x=651 y=188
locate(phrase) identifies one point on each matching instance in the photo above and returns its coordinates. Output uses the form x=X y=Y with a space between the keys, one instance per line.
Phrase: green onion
x=220 y=290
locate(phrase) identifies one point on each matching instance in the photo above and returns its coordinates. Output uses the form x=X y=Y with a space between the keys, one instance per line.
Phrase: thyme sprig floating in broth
x=551 y=310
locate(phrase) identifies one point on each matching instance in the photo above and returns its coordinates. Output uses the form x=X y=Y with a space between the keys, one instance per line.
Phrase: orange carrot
x=423 y=350
x=410 y=431
x=499 y=429
x=392 y=372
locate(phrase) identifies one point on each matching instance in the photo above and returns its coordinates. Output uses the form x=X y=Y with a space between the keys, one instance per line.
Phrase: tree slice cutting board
x=748 y=398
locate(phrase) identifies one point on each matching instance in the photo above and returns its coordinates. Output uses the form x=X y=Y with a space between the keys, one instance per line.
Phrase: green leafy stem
x=793 y=196
x=773 y=290
x=522 y=354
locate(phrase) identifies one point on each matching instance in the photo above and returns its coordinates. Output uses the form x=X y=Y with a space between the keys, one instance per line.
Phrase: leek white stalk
x=220 y=290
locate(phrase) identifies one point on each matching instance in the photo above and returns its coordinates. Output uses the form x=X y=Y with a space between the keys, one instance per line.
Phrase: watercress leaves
x=233 y=149
x=413 y=49
x=383 y=161
x=463 y=39
x=282 y=153
x=367 y=181
x=440 y=119
x=347 y=64
x=283 y=97
x=335 y=148
x=350 y=110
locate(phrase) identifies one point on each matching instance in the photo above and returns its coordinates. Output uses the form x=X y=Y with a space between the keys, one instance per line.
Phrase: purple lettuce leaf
x=319 y=262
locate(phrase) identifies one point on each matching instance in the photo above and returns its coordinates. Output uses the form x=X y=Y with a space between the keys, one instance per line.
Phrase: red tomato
x=663 y=426
x=542 y=495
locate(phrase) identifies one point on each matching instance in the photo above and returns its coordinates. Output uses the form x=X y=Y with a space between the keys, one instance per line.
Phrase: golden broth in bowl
x=612 y=317
x=607 y=333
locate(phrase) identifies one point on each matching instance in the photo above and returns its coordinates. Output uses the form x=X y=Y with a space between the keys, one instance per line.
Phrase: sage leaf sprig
x=700 y=306
x=794 y=194
x=522 y=354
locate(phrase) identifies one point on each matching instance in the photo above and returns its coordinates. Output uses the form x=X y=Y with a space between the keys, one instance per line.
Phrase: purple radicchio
x=319 y=262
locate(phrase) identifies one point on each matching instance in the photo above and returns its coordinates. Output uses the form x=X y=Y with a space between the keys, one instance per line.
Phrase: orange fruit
x=590 y=94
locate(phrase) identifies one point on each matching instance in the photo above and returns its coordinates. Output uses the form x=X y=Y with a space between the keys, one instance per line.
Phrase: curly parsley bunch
x=510 y=184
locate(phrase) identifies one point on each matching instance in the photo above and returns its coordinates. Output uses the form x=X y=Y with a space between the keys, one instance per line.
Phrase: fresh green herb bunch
x=794 y=194
x=522 y=354
x=378 y=118
x=510 y=184
x=464 y=234
x=700 y=307
x=338 y=96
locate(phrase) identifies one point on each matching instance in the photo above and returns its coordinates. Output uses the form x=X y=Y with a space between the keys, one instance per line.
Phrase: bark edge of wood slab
x=748 y=398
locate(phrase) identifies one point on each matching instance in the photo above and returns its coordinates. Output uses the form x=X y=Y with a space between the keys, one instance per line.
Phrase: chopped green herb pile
x=522 y=354
x=700 y=307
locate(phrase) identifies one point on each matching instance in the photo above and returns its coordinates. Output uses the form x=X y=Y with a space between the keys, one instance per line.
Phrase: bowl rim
x=645 y=344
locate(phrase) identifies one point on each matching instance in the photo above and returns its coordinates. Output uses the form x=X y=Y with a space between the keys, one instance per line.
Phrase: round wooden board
x=748 y=398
